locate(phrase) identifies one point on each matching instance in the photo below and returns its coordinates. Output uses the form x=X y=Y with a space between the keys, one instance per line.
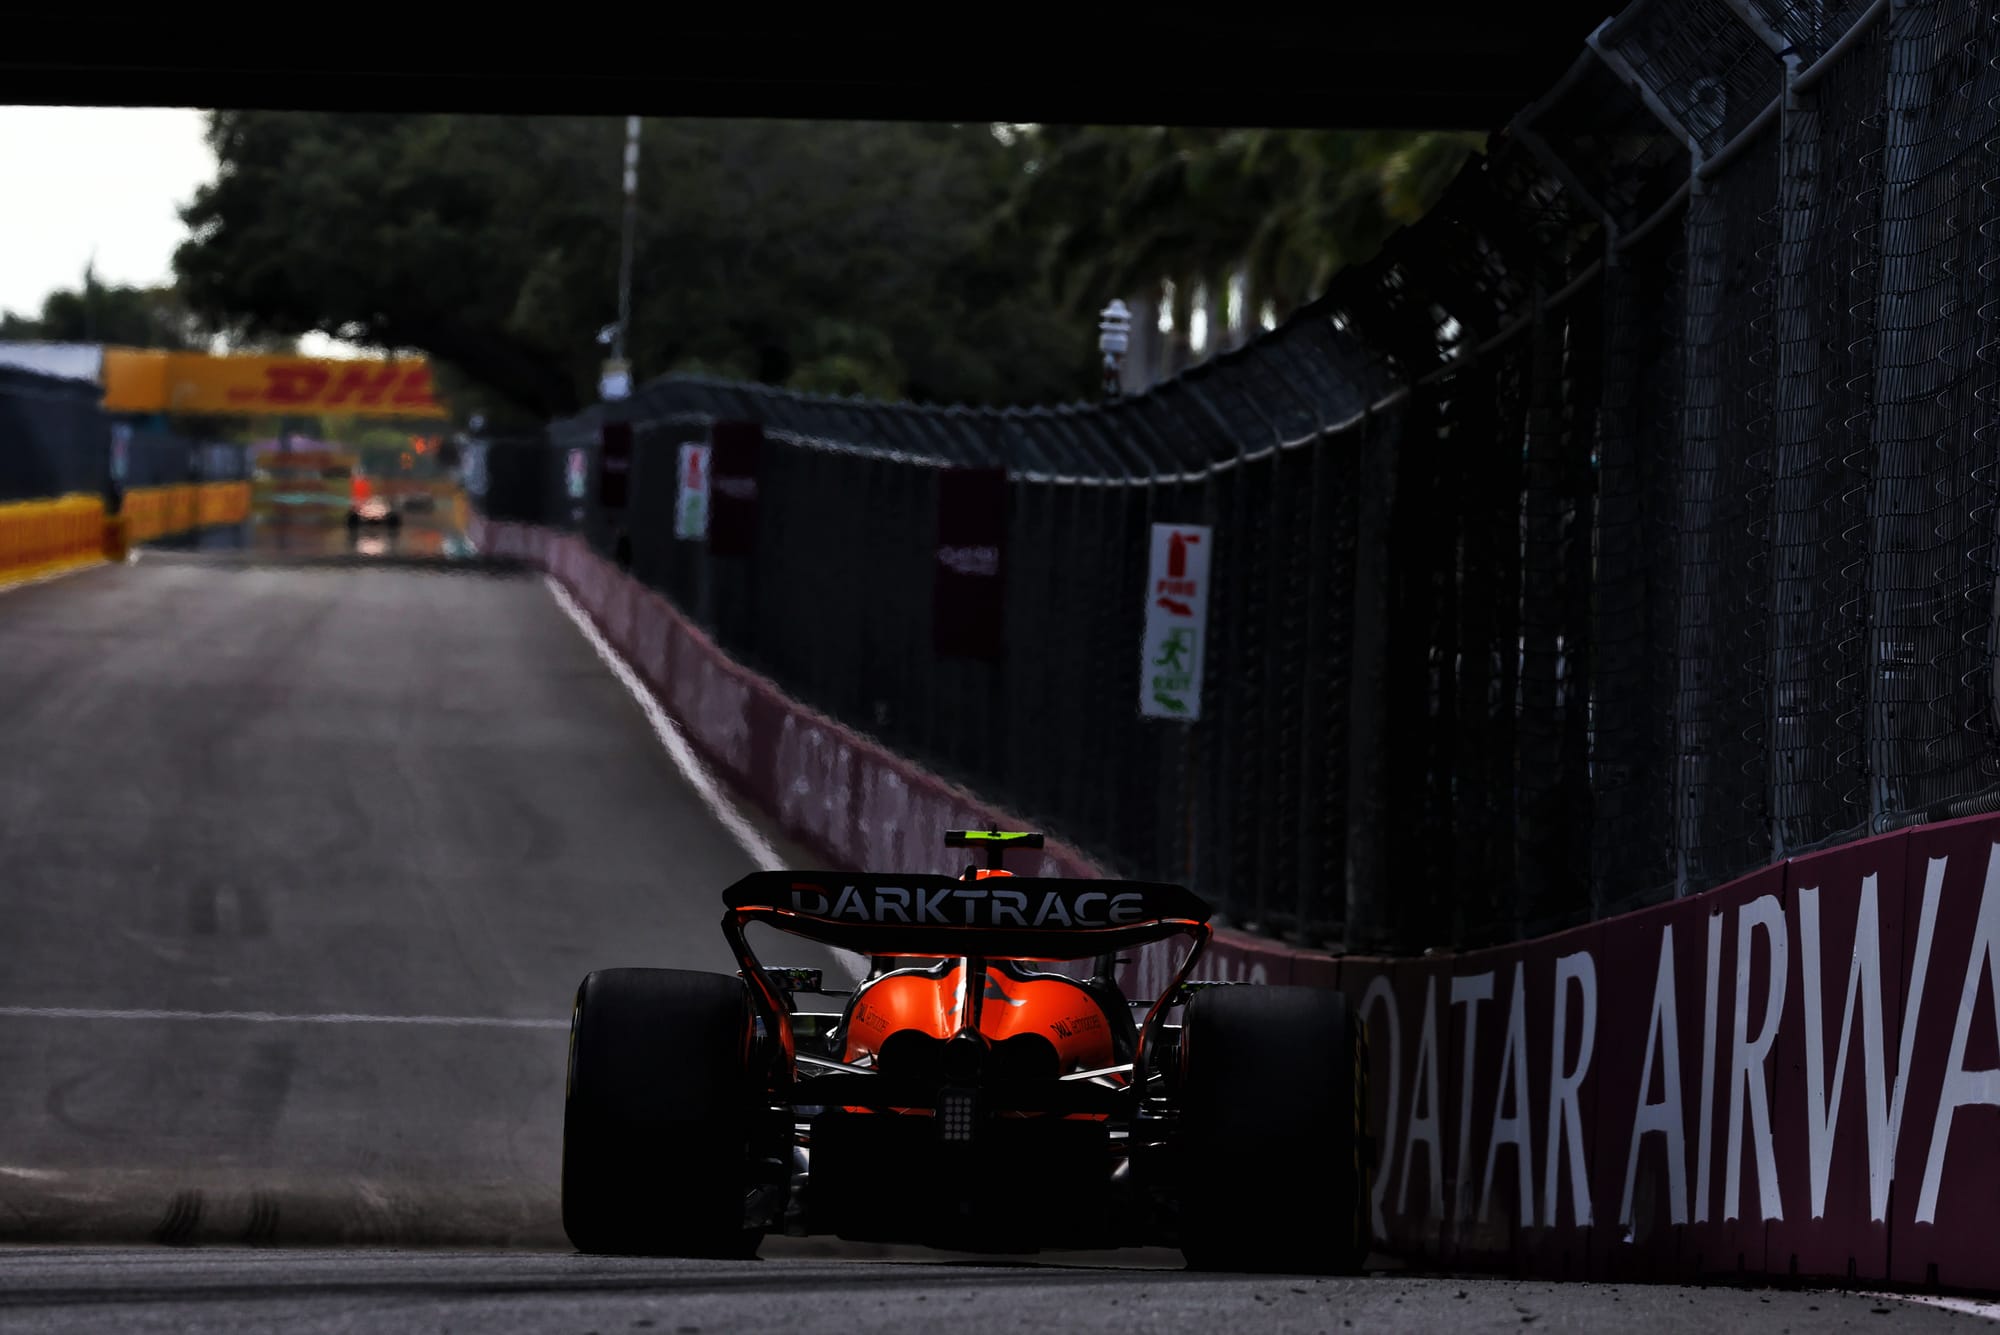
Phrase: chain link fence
x=1625 y=525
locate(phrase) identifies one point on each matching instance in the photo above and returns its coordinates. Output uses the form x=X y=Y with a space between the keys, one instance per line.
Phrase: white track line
x=274 y=1017
x=719 y=806
x=1971 y=1306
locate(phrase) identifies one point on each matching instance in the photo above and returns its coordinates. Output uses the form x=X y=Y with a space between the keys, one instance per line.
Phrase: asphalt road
x=149 y=1294
x=299 y=868
x=329 y=794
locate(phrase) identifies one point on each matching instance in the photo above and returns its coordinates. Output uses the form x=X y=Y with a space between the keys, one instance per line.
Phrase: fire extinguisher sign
x=1176 y=621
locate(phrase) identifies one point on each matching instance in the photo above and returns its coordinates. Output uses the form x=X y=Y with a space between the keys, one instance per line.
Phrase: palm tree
x=1185 y=212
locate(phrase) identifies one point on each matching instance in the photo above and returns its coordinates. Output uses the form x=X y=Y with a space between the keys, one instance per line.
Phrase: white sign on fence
x=691 y=503
x=1176 y=622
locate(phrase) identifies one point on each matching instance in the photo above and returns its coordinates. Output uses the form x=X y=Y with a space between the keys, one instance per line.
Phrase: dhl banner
x=137 y=381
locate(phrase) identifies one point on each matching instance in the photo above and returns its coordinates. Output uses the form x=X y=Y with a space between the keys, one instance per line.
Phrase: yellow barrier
x=41 y=537
x=157 y=512
x=223 y=503
x=161 y=512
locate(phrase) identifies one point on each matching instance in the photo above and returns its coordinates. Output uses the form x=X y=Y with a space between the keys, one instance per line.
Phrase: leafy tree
x=135 y=317
x=1122 y=210
x=157 y=317
x=835 y=257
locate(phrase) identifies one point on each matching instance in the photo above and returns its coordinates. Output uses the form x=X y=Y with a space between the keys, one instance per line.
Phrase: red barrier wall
x=1794 y=1074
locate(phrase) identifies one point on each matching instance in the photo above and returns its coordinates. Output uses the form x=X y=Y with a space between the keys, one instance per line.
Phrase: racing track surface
x=247 y=812
x=329 y=793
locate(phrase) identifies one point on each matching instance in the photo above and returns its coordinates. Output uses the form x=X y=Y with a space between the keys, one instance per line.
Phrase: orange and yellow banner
x=140 y=381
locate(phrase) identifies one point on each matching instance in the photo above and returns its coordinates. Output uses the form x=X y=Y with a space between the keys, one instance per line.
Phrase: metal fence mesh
x=1626 y=524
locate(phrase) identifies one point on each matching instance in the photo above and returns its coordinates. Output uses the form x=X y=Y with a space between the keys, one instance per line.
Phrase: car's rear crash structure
x=965 y=1095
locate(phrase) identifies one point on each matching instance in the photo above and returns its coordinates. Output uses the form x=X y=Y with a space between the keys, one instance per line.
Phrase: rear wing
x=941 y=917
x=932 y=916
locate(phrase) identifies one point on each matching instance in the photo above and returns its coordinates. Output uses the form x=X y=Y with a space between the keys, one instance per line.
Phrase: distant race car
x=1030 y=1111
x=372 y=511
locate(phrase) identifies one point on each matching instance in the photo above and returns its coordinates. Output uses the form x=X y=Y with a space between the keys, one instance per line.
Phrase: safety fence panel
x=1626 y=525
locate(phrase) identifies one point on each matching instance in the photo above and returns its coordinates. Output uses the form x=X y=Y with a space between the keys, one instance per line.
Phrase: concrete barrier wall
x=1796 y=1074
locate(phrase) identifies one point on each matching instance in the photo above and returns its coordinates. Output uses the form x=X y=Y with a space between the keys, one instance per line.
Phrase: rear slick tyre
x=1273 y=1175
x=657 y=1115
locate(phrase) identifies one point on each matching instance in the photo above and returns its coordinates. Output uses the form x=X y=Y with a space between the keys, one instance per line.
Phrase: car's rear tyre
x=1271 y=1152
x=657 y=1115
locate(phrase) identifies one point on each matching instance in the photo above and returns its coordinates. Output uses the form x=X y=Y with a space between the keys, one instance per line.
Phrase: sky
x=105 y=179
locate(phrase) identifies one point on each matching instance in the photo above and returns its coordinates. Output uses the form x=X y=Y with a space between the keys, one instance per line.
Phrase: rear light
x=955 y=1114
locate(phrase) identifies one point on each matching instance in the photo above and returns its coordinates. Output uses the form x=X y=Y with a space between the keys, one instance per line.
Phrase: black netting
x=1559 y=567
x=1814 y=28
x=1931 y=537
x=1632 y=670
x=1712 y=71
x=1627 y=161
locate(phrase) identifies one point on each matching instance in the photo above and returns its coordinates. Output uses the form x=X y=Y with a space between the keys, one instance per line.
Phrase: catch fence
x=1626 y=525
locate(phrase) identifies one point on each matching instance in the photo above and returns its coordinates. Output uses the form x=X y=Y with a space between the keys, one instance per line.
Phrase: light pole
x=617 y=376
x=1114 y=328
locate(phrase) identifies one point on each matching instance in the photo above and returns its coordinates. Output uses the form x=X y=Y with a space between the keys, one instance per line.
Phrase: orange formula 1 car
x=965 y=1094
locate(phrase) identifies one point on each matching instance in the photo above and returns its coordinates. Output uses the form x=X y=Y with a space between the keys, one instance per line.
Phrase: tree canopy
x=136 y=317
x=942 y=263
x=835 y=257
x=1117 y=209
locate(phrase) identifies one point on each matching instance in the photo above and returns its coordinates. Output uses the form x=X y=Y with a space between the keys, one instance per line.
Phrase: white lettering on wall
x=1885 y=1097
x=1381 y=993
x=1963 y=1087
x=1423 y=1128
x=1913 y=1004
x=1468 y=992
x=1664 y=1115
x=1749 y=1056
x=1566 y=1090
x=1706 y=1152
x=1515 y=1130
